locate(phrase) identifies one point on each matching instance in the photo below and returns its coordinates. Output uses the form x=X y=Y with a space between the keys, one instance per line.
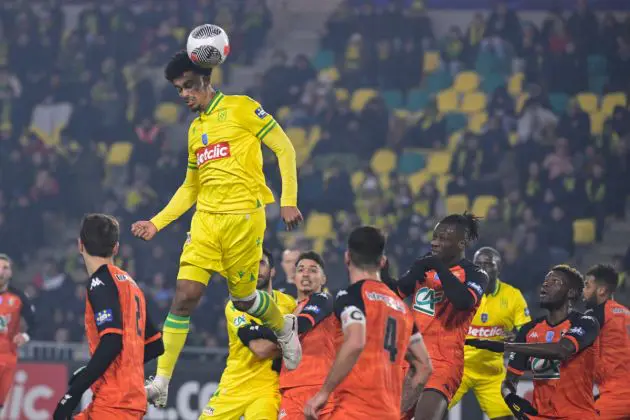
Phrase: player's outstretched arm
x=260 y=340
x=180 y=203
x=277 y=140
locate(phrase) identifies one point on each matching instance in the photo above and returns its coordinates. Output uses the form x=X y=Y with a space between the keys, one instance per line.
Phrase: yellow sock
x=266 y=309
x=174 y=336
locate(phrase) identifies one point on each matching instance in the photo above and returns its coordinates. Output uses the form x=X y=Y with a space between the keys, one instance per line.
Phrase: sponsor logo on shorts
x=213 y=152
x=485 y=332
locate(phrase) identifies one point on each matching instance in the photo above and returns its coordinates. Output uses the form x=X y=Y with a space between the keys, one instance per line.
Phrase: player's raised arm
x=267 y=130
x=350 y=310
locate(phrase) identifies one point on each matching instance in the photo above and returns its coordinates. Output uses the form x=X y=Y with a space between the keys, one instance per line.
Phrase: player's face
x=265 y=272
x=193 y=89
x=554 y=290
x=590 y=292
x=445 y=242
x=5 y=272
x=487 y=264
x=309 y=277
x=288 y=263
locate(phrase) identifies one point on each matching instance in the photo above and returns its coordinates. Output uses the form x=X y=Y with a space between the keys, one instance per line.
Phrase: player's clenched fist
x=315 y=404
x=291 y=216
x=144 y=229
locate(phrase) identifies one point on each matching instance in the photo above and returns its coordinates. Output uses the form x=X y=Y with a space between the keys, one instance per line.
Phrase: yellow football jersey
x=243 y=368
x=225 y=164
x=498 y=313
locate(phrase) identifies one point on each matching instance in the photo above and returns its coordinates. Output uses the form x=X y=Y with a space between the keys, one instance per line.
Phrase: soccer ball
x=208 y=45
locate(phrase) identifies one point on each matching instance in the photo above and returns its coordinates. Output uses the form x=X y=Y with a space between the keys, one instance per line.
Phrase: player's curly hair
x=467 y=222
x=576 y=279
x=180 y=63
x=606 y=275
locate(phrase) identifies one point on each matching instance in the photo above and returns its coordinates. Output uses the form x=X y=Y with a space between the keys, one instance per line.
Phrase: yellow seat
x=584 y=231
x=431 y=61
x=356 y=180
x=439 y=162
x=360 y=97
x=454 y=139
x=314 y=135
x=477 y=121
x=513 y=138
x=588 y=102
x=318 y=225
x=330 y=74
x=283 y=113
x=383 y=162
x=447 y=101
x=613 y=100
x=417 y=180
x=442 y=183
x=342 y=94
x=297 y=136
x=384 y=181
x=457 y=204
x=319 y=245
x=520 y=102
x=217 y=76
x=119 y=153
x=597 y=123
x=466 y=81
x=167 y=113
x=402 y=114
x=482 y=204
x=473 y=102
x=515 y=85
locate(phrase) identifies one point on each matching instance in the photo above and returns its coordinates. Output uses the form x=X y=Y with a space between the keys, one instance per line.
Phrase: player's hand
x=291 y=216
x=430 y=262
x=520 y=406
x=21 y=339
x=312 y=407
x=144 y=229
x=509 y=336
x=495 y=346
x=65 y=407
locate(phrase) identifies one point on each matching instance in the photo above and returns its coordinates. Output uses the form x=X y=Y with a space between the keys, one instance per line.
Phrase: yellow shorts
x=487 y=390
x=228 y=244
x=254 y=406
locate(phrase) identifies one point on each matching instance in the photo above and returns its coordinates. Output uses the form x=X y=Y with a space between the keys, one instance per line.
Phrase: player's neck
x=453 y=261
x=94 y=263
x=211 y=96
x=4 y=287
x=357 y=275
x=557 y=315
x=492 y=287
x=305 y=295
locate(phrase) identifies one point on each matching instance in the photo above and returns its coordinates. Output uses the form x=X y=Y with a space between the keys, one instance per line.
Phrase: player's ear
x=346 y=258
x=80 y=246
x=116 y=247
x=272 y=272
x=382 y=262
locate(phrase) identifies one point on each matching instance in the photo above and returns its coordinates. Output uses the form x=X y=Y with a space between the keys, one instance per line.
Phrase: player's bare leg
x=288 y=338
x=431 y=406
x=187 y=295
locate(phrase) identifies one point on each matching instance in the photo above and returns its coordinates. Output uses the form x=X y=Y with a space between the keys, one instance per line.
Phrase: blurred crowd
x=98 y=82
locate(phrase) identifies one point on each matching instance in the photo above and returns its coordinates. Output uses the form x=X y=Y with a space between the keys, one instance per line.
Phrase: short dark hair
x=180 y=63
x=269 y=255
x=576 y=279
x=467 y=225
x=605 y=275
x=99 y=234
x=5 y=257
x=366 y=246
x=311 y=255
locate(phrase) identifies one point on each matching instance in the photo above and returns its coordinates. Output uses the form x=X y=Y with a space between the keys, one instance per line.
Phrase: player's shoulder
x=588 y=318
x=509 y=291
x=616 y=308
x=285 y=300
x=533 y=323
x=101 y=278
x=239 y=101
x=17 y=293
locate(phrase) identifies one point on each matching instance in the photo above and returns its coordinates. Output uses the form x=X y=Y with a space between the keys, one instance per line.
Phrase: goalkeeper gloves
x=520 y=406
x=495 y=346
